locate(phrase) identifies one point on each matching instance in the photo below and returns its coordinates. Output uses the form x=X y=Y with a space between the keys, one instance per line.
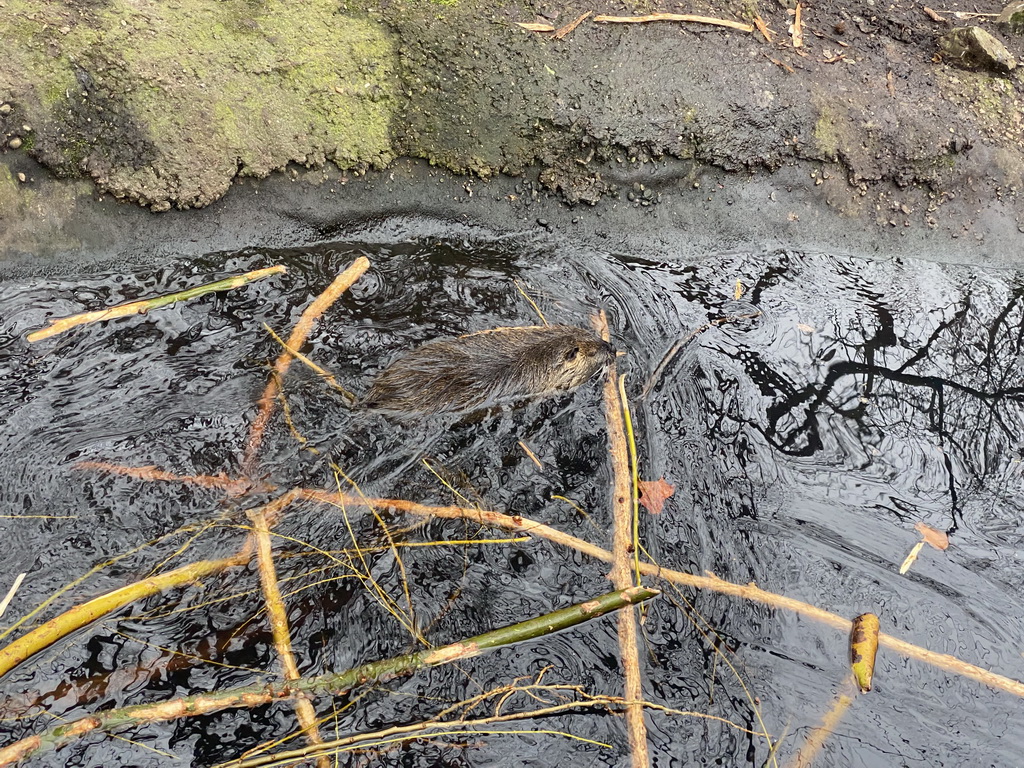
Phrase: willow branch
x=378 y=671
x=299 y=334
x=142 y=307
x=278 y=617
x=622 y=541
x=77 y=617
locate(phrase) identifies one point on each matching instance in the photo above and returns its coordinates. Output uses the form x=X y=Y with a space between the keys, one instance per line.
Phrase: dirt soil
x=168 y=105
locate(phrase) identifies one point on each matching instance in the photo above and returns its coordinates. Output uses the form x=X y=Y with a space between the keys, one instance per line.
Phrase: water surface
x=804 y=444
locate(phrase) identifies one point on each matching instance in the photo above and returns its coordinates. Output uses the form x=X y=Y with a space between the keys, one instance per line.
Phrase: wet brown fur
x=489 y=367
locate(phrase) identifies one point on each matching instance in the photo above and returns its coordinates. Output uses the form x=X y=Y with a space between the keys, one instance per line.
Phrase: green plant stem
x=378 y=671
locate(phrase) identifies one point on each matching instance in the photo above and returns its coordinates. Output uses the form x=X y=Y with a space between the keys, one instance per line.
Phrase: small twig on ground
x=563 y=31
x=142 y=307
x=674 y=17
x=796 y=29
x=763 y=29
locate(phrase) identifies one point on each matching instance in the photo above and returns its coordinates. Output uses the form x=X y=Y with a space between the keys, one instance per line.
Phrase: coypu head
x=489 y=367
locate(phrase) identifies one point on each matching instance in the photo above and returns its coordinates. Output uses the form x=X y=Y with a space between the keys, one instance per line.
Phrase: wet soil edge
x=863 y=140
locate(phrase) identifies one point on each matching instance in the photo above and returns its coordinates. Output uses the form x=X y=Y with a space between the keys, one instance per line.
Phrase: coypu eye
x=571 y=354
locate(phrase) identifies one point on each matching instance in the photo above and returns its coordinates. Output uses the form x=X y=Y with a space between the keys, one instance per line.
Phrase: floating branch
x=378 y=671
x=675 y=17
x=143 y=306
x=624 y=539
x=298 y=337
x=523 y=525
x=46 y=634
x=278 y=618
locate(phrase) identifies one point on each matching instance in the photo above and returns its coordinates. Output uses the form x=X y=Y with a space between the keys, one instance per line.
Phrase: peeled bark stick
x=56 y=628
x=142 y=307
x=278 y=616
x=379 y=671
x=522 y=525
x=297 y=338
x=674 y=17
x=622 y=541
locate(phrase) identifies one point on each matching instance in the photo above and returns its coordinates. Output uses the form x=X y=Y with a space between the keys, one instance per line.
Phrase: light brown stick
x=298 y=337
x=278 y=617
x=145 y=305
x=622 y=539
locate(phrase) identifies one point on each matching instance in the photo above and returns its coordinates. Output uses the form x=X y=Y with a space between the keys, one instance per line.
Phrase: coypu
x=487 y=368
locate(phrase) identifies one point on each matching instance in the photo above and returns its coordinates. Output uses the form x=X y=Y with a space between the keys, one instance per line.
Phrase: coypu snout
x=489 y=367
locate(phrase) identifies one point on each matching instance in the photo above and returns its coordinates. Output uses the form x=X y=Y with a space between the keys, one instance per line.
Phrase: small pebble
x=14 y=143
x=5 y=109
x=22 y=177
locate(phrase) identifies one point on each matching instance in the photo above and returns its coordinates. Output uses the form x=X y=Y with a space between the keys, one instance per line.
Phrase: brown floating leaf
x=653 y=494
x=863 y=647
x=805 y=328
x=937 y=539
x=737 y=293
x=530 y=26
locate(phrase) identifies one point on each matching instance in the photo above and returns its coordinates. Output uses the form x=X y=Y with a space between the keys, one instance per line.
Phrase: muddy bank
x=168 y=106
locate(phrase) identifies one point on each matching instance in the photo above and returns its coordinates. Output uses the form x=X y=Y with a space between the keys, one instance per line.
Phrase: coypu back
x=489 y=367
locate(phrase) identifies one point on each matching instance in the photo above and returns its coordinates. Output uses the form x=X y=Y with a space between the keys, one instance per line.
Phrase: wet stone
x=974 y=48
x=14 y=143
x=1011 y=20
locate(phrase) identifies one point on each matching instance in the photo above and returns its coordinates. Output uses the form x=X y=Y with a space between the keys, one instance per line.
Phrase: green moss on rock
x=165 y=102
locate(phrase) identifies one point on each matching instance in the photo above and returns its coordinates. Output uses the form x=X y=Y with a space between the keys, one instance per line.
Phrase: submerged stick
x=674 y=17
x=143 y=306
x=278 y=618
x=669 y=356
x=379 y=671
x=623 y=538
x=298 y=337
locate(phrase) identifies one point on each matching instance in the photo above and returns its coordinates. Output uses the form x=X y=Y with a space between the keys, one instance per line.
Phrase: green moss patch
x=165 y=102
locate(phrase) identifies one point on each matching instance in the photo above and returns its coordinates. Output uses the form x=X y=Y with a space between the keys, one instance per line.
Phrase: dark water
x=804 y=445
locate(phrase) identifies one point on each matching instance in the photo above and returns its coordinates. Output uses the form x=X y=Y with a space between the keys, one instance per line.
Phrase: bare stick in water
x=620 y=575
x=278 y=618
x=298 y=337
x=143 y=306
